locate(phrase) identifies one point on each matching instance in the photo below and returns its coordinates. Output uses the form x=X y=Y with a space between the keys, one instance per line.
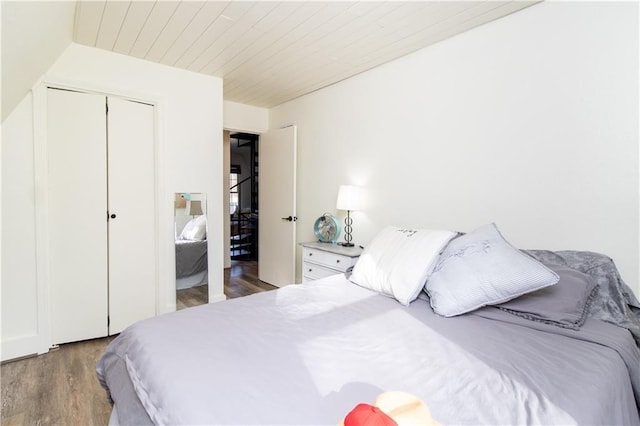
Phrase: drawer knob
x=310 y=254
x=310 y=270
x=338 y=261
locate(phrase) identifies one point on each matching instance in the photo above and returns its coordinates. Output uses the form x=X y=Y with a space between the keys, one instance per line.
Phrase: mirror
x=190 y=232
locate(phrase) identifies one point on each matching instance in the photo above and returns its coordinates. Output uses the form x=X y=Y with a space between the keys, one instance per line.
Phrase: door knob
x=113 y=216
x=290 y=218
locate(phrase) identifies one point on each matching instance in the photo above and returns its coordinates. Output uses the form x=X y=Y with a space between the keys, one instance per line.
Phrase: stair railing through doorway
x=244 y=226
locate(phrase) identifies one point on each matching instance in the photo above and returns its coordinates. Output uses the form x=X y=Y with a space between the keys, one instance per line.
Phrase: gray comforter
x=307 y=354
x=614 y=302
x=191 y=257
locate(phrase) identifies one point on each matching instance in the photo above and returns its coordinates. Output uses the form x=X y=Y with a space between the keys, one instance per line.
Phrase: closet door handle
x=112 y=215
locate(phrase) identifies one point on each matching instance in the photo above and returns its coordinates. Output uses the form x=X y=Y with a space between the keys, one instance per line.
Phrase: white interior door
x=77 y=222
x=277 y=225
x=132 y=217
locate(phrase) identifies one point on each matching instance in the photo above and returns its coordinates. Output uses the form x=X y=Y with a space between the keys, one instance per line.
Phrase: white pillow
x=481 y=268
x=195 y=229
x=398 y=261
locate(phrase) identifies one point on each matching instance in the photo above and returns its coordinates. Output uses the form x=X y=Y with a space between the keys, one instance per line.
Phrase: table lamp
x=349 y=200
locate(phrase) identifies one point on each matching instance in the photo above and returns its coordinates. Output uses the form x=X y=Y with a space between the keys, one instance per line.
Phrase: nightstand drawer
x=320 y=260
x=311 y=271
x=329 y=260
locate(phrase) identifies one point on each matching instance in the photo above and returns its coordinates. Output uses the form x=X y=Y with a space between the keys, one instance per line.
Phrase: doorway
x=244 y=171
x=272 y=211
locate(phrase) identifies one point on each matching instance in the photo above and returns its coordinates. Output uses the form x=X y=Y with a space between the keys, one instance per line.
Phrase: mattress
x=307 y=354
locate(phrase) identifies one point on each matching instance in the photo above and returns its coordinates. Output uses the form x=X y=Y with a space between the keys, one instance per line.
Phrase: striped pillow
x=481 y=268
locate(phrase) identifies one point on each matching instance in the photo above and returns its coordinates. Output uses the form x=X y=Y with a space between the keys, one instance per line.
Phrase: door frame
x=225 y=183
x=39 y=93
x=226 y=167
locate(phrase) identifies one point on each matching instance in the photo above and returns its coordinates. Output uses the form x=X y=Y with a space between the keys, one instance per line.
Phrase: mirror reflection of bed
x=192 y=287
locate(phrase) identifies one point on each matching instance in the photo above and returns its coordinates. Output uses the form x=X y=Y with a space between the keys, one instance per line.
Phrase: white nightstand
x=321 y=260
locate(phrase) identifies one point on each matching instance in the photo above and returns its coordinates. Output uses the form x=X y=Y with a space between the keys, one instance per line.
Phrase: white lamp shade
x=349 y=198
x=195 y=208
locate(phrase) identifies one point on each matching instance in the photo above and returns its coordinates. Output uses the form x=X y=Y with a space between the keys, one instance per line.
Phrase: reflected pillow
x=564 y=304
x=195 y=229
x=398 y=261
x=481 y=268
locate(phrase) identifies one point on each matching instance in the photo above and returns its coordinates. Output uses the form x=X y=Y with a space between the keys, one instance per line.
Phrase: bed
x=191 y=263
x=191 y=254
x=307 y=354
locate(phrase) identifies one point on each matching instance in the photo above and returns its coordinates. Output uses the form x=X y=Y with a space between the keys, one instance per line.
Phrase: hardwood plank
x=194 y=296
x=241 y=279
x=59 y=387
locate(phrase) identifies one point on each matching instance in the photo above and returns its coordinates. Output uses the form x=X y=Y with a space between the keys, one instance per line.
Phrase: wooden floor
x=241 y=279
x=57 y=388
x=61 y=388
x=194 y=296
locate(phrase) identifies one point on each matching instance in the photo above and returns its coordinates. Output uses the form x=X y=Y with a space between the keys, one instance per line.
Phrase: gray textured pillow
x=564 y=304
x=613 y=301
x=481 y=268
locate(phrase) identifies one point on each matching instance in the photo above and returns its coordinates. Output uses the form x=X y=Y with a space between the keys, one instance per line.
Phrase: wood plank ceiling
x=269 y=52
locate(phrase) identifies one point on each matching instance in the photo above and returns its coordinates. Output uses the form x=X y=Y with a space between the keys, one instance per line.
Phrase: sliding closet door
x=77 y=206
x=132 y=223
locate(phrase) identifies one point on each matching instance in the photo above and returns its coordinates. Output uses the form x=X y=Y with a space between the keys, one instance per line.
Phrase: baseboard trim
x=218 y=298
x=19 y=347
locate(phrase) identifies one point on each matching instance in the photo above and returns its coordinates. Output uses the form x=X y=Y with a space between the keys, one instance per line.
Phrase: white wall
x=19 y=295
x=34 y=34
x=189 y=108
x=245 y=118
x=530 y=121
